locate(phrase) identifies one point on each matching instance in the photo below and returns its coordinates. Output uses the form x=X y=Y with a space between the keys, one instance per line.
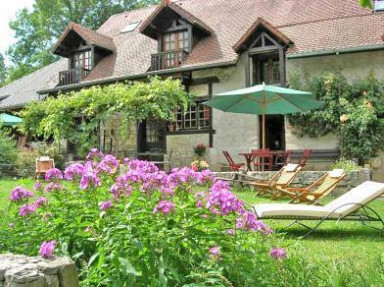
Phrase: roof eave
x=338 y=51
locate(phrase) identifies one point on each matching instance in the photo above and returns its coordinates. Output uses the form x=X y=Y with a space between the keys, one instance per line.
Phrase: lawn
x=341 y=248
x=334 y=243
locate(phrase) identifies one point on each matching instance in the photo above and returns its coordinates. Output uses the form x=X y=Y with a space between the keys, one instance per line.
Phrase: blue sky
x=8 y=9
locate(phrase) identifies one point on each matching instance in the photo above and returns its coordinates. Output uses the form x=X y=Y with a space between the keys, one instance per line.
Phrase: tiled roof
x=24 y=90
x=90 y=36
x=311 y=26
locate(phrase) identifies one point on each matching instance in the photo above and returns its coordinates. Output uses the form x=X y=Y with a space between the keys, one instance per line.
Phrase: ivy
x=133 y=102
x=352 y=111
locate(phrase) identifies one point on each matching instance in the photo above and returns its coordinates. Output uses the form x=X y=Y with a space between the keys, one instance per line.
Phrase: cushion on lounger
x=291 y=210
x=291 y=167
x=361 y=194
x=336 y=173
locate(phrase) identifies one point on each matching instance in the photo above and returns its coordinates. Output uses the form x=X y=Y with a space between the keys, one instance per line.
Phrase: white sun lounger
x=345 y=207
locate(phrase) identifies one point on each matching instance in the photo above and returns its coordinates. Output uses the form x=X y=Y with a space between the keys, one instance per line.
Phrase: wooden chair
x=317 y=190
x=232 y=165
x=263 y=160
x=282 y=160
x=304 y=157
x=43 y=164
x=279 y=180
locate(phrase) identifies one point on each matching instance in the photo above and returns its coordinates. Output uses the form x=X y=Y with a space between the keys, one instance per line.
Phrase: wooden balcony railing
x=72 y=76
x=168 y=60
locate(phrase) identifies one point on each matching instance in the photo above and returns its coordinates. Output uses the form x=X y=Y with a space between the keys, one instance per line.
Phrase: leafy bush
x=143 y=227
x=347 y=165
x=353 y=112
x=26 y=163
x=8 y=150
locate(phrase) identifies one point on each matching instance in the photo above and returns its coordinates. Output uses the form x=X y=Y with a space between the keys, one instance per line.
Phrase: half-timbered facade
x=213 y=46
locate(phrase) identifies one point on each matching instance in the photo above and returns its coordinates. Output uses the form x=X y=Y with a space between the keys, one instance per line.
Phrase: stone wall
x=180 y=148
x=24 y=271
x=305 y=178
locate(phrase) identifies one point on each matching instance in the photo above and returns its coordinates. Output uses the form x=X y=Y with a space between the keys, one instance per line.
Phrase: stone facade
x=305 y=178
x=24 y=271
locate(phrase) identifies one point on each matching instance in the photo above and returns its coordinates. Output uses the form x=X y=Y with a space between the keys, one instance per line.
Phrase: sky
x=8 y=9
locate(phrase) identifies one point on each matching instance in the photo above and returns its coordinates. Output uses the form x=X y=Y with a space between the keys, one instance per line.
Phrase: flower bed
x=142 y=226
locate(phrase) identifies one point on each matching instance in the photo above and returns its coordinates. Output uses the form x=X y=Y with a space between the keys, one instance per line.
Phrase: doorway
x=151 y=137
x=274 y=132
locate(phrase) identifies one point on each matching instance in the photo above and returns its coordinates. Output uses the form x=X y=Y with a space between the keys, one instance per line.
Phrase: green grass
x=334 y=243
x=340 y=248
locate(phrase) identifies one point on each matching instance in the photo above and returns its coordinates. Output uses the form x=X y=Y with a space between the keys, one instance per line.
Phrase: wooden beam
x=247 y=69
x=205 y=80
x=262 y=50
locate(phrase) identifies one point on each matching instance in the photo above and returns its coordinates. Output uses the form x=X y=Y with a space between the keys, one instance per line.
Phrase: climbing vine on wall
x=58 y=117
x=354 y=112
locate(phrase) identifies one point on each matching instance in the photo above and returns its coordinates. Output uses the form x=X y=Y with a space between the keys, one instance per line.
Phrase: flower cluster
x=19 y=193
x=278 y=253
x=248 y=221
x=199 y=165
x=47 y=248
x=164 y=207
x=222 y=201
x=105 y=205
x=73 y=170
x=52 y=174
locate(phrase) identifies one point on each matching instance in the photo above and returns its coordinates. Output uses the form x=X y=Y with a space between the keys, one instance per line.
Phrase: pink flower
x=108 y=164
x=89 y=177
x=73 y=170
x=26 y=209
x=222 y=201
x=52 y=174
x=230 y=232
x=214 y=252
x=105 y=205
x=164 y=207
x=53 y=186
x=19 y=193
x=40 y=201
x=278 y=253
x=37 y=186
x=94 y=155
x=47 y=248
x=248 y=221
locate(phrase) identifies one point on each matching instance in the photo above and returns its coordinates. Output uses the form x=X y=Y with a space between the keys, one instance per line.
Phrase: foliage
x=366 y=3
x=8 y=150
x=57 y=117
x=3 y=71
x=345 y=164
x=353 y=112
x=36 y=30
x=200 y=150
x=143 y=227
x=26 y=163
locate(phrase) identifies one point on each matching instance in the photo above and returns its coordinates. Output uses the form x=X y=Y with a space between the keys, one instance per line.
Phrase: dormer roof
x=162 y=16
x=260 y=24
x=76 y=33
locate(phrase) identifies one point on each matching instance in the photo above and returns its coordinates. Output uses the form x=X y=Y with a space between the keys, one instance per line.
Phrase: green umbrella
x=264 y=100
x=9 y=120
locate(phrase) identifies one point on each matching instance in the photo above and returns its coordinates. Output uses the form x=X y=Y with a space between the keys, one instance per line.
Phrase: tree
x=366 y=3
x=133 y=102
x=3 y=71
x=37 y=30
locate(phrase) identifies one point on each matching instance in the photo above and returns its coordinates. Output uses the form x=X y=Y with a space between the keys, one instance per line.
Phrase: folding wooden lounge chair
x=43 y=164
x=314 y=192
x=279 y=180
x=351 y=206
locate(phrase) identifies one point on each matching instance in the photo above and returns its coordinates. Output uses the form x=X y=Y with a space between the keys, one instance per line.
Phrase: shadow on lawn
x=334 y=234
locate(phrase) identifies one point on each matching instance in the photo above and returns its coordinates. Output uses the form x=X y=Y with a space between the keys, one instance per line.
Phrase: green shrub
x=8 y=150
x=347 y=165
x=26 y=163
x=145 y=228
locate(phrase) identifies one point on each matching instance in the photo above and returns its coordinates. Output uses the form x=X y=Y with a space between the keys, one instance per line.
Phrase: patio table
x=249 y=157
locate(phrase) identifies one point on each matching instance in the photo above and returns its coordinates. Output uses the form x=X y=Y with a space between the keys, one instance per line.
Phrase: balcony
x=72 y=76
x=168 y=60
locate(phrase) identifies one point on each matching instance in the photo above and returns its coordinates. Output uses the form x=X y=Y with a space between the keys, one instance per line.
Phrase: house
x=213 y=46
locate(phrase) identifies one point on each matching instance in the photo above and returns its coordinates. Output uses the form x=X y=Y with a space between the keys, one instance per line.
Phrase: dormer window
x=379 y=5
x=176 y=31
x=84 y=48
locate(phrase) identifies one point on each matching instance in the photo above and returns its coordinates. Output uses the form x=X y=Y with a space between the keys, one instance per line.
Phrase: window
x=130 y=27
x=266 y=68
x=177 y=43
x=82 y=60
x=379 y=5
x=197 y=117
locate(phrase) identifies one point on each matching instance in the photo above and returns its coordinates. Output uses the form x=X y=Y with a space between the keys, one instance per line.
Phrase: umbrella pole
x=263 y=122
